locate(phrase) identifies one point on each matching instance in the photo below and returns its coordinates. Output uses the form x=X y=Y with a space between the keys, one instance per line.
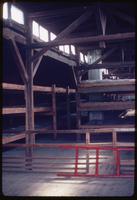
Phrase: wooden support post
x=30 y=137
x=54 y=110
x=114 y=138
x=78 y=114
x=68 y=108
x=87 y=153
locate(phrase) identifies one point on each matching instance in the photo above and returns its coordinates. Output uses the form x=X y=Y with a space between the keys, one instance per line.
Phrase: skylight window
x=66 y=48
x=35 y=28
x=61 y=48
x=44 y=34
x=52 y=36
x=17 y=15
x=81 y=57
x=73 y=50
x=5 y=11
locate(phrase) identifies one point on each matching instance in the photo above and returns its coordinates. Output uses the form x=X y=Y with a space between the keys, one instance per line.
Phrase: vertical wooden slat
x=87 y=153
x=78 y=114
x=114 y=138
x=30 y=138
x=68 y=108
x=54 y=110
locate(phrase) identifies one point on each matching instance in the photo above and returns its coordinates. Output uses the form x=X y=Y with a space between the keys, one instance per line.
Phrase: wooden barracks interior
x=68 y=88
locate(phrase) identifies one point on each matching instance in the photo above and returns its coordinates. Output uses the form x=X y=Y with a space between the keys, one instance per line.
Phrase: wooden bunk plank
x=106 y=106
x=36 y=88
x=17 y=110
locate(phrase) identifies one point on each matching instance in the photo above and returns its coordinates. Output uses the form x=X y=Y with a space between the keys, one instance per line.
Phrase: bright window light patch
x=17 y=15
x=73 y=50
x=5 y=11
x=35 y=28
x=86 y=59
x=81 y=57
x=52 y=36
x=67 y=49
x=61 y=48
x=44 y=34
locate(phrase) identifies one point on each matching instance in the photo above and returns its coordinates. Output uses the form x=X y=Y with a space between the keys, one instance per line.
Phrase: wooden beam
x=80 y=40
x=36 y=88
x=113 y=88
x=125 y=17
x=19 y=110
x=68 y=108
x=106 y=106
x=54 y=110
x=108 y=65
x=36 y=66
x=65 y=32
x=93 y=129
x=19 y=61
x=13 y=138
x=101 y=23
x=107 y=83
x=56 y=13
x=57 y=55
x=116 y=127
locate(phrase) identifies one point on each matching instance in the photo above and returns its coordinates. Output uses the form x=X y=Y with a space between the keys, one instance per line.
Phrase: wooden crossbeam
x=19 y=61
x=101 y=23
x=36 y=88
x=108 y=65
x=106 y=106
x=65 y=32
x=124 y=16
x=57 y=55
x=80 y=40
x=36 y=66
x=57 y=12
x=18 y=110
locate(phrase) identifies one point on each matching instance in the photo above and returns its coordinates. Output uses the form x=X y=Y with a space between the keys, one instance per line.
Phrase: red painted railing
x=74 y=160
x=116 y=151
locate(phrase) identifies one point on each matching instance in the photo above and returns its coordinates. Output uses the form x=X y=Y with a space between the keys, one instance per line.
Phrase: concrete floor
x=41 y=184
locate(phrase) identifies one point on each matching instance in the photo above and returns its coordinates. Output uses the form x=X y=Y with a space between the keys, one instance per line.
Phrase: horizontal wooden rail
x=18 y=136
x=106 y=83
x=53 y=145
x=116 y=127
x=36 y=88
x=18 y=110
x=106 y=106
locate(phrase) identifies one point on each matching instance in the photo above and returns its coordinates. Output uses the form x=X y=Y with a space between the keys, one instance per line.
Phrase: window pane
x=35 y=28
x=5 y=11
x=66 y=49
x=73 y=50
x=61 y=48
x=52 y=36
x=81 y=57
x=44 y=34
x=17 y=15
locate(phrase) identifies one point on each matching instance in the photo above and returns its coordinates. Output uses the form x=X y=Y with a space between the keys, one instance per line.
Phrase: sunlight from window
x=5 y=11
x=17 y=15
x=44 y=34
x=86 y=59
x=73 y=50
x=81 y=57
x=61 y=48
x=35 y=28
x=52 y=36
x=66 y=47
